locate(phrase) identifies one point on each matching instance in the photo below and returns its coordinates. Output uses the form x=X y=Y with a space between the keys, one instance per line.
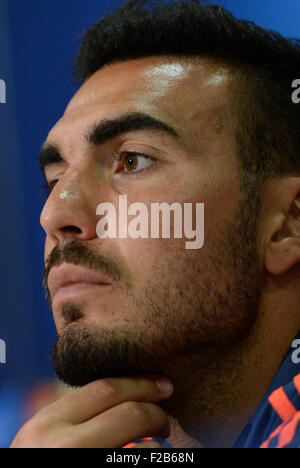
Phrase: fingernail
x=165 y=385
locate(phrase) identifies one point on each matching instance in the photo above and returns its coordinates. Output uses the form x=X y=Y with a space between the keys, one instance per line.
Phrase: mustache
x=76 y=253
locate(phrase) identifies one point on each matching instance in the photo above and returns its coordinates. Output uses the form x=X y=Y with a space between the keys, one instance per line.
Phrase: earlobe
x=283 y=250
x=282 y=255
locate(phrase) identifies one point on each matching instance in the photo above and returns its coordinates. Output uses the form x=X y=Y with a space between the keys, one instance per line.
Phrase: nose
x=70 y=211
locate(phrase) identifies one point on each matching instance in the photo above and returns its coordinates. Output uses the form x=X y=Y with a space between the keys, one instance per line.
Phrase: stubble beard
x=187 y=314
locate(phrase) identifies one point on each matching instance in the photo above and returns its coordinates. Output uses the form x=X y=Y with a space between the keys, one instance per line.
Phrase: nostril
x=73 y=229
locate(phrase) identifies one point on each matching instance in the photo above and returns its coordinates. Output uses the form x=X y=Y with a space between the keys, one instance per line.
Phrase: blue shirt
x=276 y=422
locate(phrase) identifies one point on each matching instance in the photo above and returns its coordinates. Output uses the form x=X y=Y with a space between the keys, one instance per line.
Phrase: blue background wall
x=38 y=40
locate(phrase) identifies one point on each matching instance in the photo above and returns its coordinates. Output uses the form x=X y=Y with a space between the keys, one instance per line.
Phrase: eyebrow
x=50 y=154
x=106 y=130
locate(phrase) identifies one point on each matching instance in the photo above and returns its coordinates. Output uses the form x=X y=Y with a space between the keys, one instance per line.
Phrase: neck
x=216 y=396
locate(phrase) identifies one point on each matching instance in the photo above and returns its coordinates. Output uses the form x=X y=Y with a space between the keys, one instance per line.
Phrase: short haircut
x=267 y=131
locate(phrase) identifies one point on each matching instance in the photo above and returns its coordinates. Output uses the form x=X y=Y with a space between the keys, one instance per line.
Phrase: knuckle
x=136 y=410
x=44 y=417
x=105 y=389
x=37 y=426
x=31 y=434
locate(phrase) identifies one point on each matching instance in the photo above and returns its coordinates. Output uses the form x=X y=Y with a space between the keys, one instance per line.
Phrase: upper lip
x=68 y=274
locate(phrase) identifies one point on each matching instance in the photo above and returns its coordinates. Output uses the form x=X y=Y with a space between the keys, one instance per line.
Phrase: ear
x=282 y=251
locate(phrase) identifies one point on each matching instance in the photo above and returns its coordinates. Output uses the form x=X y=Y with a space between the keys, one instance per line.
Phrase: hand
x=107 y=413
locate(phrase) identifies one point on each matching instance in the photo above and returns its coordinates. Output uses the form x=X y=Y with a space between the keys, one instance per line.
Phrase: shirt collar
x=288 y=369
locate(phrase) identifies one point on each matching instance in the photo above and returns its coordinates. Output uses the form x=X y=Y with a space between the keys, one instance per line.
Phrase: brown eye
x=131 y=162
x=135 y=162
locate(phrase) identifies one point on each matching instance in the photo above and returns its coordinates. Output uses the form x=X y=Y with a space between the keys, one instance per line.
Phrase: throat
x=215 y=397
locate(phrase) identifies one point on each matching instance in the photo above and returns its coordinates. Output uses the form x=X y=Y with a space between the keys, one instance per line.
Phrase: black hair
x=265 y=62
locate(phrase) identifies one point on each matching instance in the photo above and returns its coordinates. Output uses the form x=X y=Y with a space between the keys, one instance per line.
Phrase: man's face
x=161 y=303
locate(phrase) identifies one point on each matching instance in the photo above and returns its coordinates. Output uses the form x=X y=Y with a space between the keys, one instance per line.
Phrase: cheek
x=138 y=255
x=148 y=259
x=142 y=254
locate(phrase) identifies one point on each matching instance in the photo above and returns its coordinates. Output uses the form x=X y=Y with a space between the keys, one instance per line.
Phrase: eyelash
x=124 y=154
x=48 y=187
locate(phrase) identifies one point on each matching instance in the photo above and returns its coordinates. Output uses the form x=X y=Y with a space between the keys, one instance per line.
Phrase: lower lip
x=75 y=290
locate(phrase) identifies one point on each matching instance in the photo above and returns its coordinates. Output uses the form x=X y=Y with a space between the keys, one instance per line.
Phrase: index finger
x=101 y=395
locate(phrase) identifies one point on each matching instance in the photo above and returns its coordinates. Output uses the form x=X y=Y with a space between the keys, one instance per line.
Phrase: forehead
x=178 y=90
